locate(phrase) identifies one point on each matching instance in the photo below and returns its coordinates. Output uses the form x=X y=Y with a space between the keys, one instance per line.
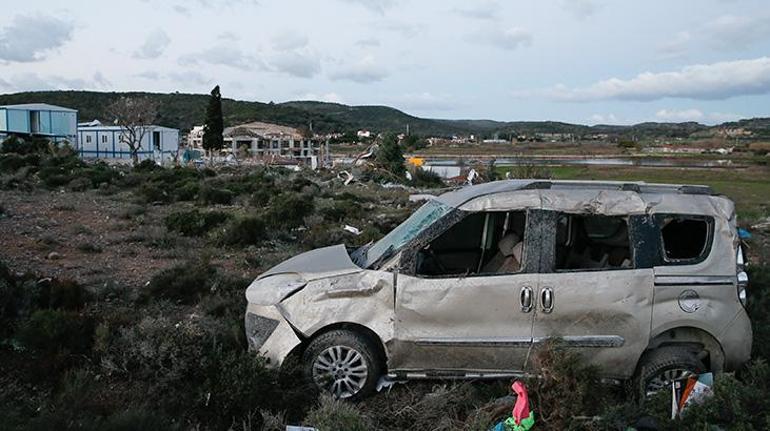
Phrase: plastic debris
x=522 y=417
x=690 y=391
x=743 y=233
x=346 y=176
x=386 y=382
x=352 y=229
x=299 y=428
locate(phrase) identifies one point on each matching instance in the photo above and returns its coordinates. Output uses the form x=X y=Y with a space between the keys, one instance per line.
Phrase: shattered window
x=403 y=233
x=592 y=242
x=684 y=238
x=480 y=243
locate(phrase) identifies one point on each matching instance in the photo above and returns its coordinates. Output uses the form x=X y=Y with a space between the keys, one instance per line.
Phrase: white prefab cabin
x=97 y=141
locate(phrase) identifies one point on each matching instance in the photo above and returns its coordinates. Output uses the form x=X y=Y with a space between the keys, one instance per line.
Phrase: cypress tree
x=390 y=157
x=215 y=125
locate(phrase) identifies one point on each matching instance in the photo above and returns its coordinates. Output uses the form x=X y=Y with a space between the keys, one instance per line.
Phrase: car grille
x=258 y=329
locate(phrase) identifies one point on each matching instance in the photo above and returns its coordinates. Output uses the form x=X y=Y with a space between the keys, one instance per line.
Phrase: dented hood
x=293 y=274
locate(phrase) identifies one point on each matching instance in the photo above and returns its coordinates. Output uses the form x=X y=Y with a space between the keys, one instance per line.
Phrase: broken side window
x=480 y=243
x=686 y=239
x=592 y=242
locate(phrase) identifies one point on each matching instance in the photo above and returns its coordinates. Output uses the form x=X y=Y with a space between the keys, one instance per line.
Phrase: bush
x=288 y=210
x=194 y=222
x=566 y=386
x=10 y=163
x=214 y=196
x=423 y=178
x=337 y=415
x=57 y=331
x=243 y=231
x=188 y=191
x=16 y=145
x=147 y=165
x=759 y=304
x=79 y=184
x=152 y=192
x=185 y=283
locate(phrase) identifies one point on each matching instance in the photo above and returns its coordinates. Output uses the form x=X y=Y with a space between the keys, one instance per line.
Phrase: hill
x=186 y=110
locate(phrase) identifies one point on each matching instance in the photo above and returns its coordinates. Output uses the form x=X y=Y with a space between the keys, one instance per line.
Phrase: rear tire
x=660 y=367
x=342 y=363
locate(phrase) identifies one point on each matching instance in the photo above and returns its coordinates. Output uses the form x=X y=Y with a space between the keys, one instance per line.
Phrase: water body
x=654 y=162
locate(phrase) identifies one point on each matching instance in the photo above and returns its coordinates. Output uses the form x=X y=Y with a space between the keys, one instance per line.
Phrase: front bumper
x=269 y=334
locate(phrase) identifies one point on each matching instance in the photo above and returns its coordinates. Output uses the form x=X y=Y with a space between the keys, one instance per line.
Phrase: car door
x=474 y=324
x=597 y=299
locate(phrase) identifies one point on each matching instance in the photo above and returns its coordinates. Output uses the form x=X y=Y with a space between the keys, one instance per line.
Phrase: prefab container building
x=107 y=142
x=39 y=119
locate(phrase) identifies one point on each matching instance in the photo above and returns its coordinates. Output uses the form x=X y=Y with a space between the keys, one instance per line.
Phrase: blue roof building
x=39 y=119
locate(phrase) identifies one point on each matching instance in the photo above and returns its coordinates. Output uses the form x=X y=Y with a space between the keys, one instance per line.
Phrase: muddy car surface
x=644 y=280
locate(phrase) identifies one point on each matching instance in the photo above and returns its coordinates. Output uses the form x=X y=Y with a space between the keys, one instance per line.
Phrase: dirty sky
x=584 y=61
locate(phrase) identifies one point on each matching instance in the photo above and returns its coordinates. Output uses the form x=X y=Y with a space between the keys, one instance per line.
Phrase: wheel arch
x=348 y=326
x=712 y=353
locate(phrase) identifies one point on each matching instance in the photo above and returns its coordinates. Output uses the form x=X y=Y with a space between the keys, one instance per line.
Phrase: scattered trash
x=299 y=428
x=764 y=224
x=472 y=174
x=421 y=197
x=408 y=175
x=346 y=176
x=522 y=418
x=690 y=391
x=744 y=234
x=386 y=382
x=352 y=229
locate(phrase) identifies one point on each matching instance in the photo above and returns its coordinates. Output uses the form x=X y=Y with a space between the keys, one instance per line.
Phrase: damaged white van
x=644 y=280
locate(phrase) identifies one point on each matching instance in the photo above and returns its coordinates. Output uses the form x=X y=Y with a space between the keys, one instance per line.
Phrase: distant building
x=273 y=142
x=364 y=134
x=195 y=137
x=39 y=119
x=99 y=141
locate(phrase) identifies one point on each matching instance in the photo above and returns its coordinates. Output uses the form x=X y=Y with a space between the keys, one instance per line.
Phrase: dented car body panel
x=607 y=267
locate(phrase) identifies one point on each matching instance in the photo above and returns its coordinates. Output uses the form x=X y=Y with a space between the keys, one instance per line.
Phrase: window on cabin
x=685 y=238
x=592 y=242
x=88 y=139
x=104 y=139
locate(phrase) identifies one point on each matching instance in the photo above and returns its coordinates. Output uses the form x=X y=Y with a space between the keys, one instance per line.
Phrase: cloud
x=488 y=10
x=189 y=77
x=368 y=43
x=424 y=101
x=328 y=97
x=717 y=81
x=377 y=6
x=289 y=41
x=604 y=119
x=299 y=65
x=580 y=9
x=154 y=46
x=508 y=39
x=30 y=38
x=149 y=74
x=35 y=82
x=222 y=55
x=404 y=29
x=730 y=32
x=228 y=36
x=674 y=115
x=676 y=47
x=365 y=71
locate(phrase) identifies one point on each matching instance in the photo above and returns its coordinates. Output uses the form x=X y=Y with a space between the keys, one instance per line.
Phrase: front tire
x=342 y=363
x=659 y=368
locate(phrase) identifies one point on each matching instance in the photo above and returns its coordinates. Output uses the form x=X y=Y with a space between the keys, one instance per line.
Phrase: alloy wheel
x=665 y=378
x=340 y=370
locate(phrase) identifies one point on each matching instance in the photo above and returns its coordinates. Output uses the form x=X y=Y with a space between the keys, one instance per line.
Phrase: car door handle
x=546 y=299
x=526 y=299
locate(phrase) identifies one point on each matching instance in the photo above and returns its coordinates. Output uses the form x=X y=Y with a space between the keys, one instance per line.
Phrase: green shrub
x=10 y=163
x=427 y=179
x=184 y=283
x=65 y=294
x=337 y=415
x=288 y=210
x=79 y=184
x=147 y=165
x=194 y=222
x=214 y=196
x=16 y=145
x=341 y=210
x=57 y=331
x=152 y=192
x=243 y=231
x=188 y=191
x=758 y=306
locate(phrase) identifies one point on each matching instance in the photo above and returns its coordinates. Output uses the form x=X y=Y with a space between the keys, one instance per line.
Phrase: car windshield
x=402 y=234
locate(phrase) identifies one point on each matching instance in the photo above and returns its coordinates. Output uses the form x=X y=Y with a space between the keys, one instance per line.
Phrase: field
x=121 y=303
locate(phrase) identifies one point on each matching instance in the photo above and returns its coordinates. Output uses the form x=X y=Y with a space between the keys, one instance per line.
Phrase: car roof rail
x=638 y=187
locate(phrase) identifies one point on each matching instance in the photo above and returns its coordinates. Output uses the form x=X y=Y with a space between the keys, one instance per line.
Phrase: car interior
x=592 y=242
x=481 y=243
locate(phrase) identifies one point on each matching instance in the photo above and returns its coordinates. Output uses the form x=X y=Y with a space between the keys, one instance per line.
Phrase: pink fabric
x=521 y=408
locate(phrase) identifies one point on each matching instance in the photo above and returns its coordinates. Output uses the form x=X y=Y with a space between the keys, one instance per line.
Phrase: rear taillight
x=742 y=278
